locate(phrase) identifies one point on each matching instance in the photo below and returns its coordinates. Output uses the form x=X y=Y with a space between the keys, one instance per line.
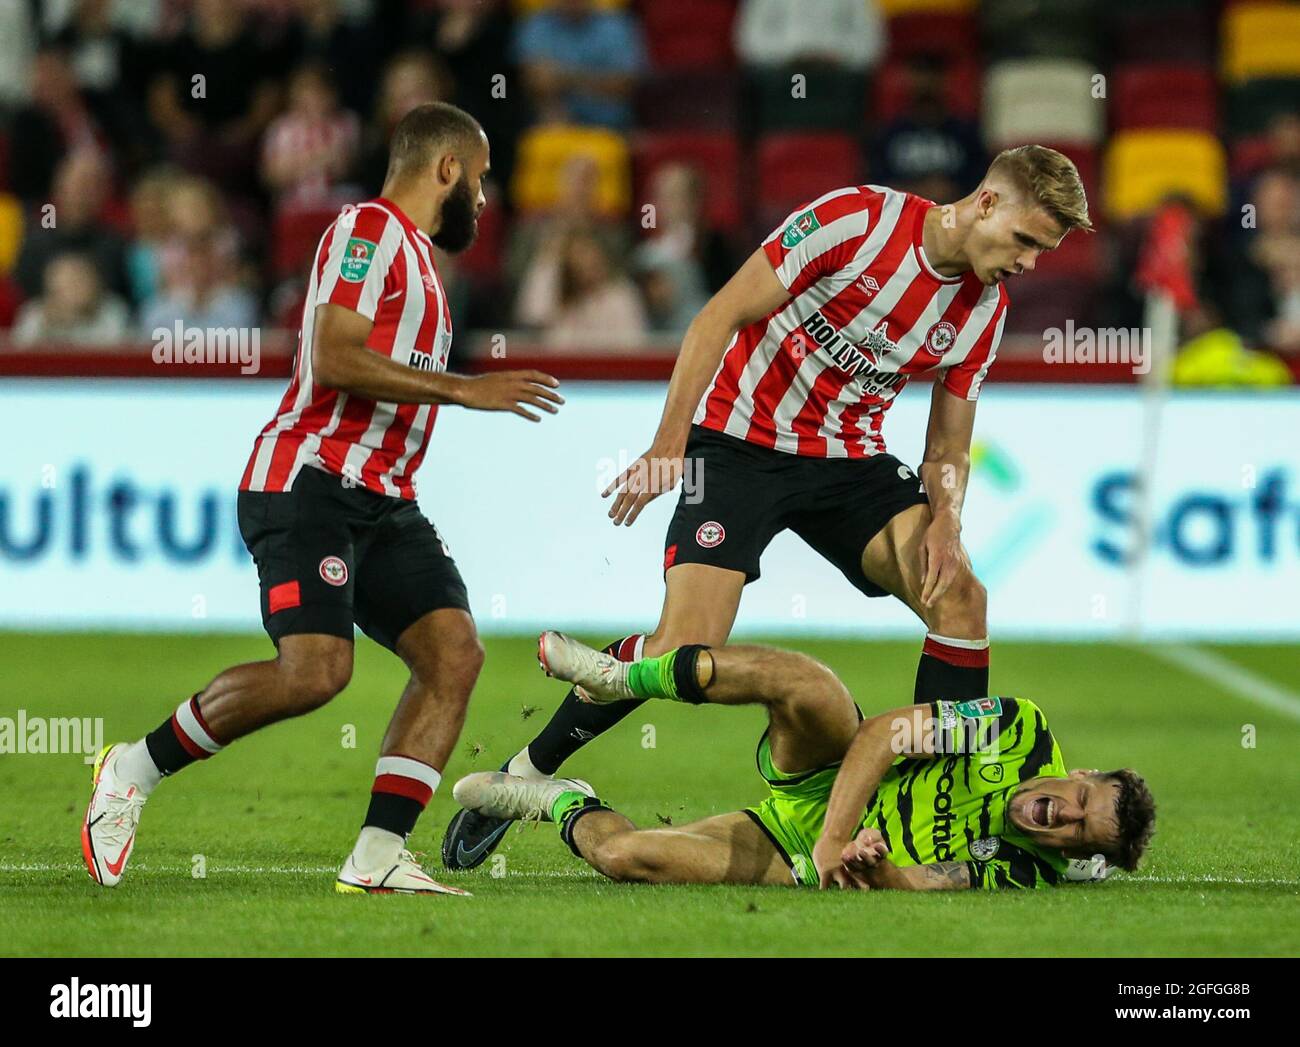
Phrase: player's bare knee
x=801 y=681
x=448 y=657
x=466 y=653
x=962 y=612
x=311 y=684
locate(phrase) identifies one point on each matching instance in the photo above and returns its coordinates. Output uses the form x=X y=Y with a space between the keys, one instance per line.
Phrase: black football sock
x=576 y=722
x=181 y=739
x=402 y=789
x=952 y=669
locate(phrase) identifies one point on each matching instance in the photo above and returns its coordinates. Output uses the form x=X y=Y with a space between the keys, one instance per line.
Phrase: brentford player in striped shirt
x=779 y=396
x=327 y=508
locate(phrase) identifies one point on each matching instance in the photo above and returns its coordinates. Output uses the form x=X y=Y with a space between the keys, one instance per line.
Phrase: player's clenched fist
x=511 y=391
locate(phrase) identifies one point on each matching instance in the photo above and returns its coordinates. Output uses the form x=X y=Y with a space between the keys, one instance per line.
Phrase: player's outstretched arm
x=908 y=731
x=750 y=295
x=341 y=360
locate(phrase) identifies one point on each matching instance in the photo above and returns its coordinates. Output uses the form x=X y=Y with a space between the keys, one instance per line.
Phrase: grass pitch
x=267 y=823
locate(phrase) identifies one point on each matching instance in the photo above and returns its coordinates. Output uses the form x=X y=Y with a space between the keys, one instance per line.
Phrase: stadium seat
x=1143 y=168
x=891 y=91
x=1179 y=35
x=1261 y=40
x=1248 y=156
x=715 y=156
x=1028 y=100
x=689 y=34
x=1252 y=106
x=953 y=37
x=894 y=8
x=1164 y=95
x=795 y=168
x=830 y=99
x=1063 y=29
x=688 y=98
x=294 y=236
x=11 y=231
x=11 y=297
x=543 y=153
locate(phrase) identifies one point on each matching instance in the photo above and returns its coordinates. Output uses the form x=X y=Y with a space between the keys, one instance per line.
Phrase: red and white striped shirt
x=374 y=261
x=866 y=312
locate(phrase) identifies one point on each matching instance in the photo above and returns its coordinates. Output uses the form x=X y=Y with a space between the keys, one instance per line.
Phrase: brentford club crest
x=940 y=337
x=334 y=571
x=710 y=534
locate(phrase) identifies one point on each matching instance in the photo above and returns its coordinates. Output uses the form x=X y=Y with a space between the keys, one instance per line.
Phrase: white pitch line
x=1228 y=675
x=244 y=870
x=312 y=870
x=1250 y=881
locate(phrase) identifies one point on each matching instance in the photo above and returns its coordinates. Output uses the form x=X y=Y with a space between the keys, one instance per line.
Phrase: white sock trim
x=189 y=723
x=969 y=645
x=406 y=767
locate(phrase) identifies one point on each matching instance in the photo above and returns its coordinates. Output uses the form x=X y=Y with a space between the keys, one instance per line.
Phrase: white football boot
x=500 y=795
x=599 y=678
x=108 y=831
x=403 y=877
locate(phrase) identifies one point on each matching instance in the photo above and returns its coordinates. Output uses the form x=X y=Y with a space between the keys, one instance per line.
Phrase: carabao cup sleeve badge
x=357 y=257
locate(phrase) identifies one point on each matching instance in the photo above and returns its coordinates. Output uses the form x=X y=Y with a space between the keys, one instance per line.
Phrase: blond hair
x=1051 y=180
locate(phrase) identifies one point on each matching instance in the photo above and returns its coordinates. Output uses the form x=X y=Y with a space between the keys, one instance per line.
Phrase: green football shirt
x=953 y=807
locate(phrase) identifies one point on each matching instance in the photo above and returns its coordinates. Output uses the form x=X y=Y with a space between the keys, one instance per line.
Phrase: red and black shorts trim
x=330 y=556
x=741 y=496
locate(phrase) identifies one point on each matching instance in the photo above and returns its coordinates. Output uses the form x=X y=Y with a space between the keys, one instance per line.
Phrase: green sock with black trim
x=568 y=809
x=566 y=803
x=654 y=677
x=671 y=675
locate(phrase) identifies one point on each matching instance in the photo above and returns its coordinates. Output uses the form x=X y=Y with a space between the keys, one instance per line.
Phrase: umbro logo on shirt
x=868 y=284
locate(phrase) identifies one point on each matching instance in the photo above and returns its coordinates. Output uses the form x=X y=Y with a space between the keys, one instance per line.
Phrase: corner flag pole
x=1160 y=325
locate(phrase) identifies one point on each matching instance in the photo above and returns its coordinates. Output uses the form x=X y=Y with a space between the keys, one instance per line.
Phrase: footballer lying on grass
x=938 y=796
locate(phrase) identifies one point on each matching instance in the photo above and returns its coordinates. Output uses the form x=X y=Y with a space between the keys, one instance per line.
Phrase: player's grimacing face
x=1009 y=238
x=1073 y=814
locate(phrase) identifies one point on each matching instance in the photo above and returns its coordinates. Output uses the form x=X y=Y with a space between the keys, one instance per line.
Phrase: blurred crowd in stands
x=177 y=160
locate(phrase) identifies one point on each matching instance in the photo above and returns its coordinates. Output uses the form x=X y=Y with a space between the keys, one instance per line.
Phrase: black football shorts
x=738 y=496
x=329 y=555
